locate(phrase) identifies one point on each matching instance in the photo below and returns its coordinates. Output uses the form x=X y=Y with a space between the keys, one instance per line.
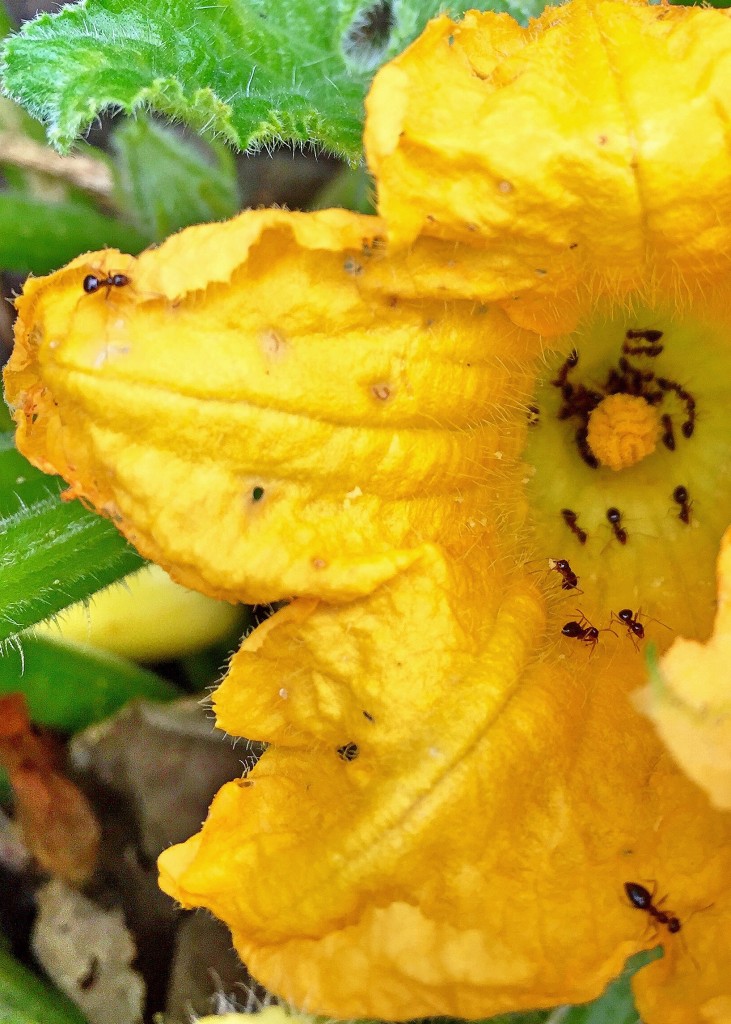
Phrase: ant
x=652 y=337
x=668 y=436
x=615 y=518
x=689 y=426
x=635 y=629
x=566 y=368
x=641 y=899
x=92 y=283
x=569 y=579
x=584 y=631
x=570 y=518
x=584 y=448
x=680 y=497
x=633 y=381
x=688 y=401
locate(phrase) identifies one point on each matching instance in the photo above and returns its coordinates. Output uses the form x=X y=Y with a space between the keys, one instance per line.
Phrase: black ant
x=566 y=368
x=652 y=337
x=668 y=436
x=688 y=401
x=569 y=579
x=633 y=380
x=584 y=448
x=92 y=283
x=584 y=631
x=680 y=497
x=635 y=628
x=641 y=899
x=570 y=518
x=615 y=518
x=689 y=426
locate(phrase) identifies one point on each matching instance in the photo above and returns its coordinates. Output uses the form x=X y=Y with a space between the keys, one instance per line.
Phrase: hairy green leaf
x=250 y=71
x=166 y=183
x=52 y=553
x=37 y=237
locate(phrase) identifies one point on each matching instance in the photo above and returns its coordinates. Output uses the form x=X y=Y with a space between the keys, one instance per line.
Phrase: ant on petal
x=584 y=631
x=570 y=518
x=566 y=368
x=635 y=628
x=681 y=497
x=92 y=283
x=615 y=518
x=642 y=899
x=569 y=579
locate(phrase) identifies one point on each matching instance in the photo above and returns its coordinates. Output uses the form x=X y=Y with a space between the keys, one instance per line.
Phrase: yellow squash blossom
x=481 y=446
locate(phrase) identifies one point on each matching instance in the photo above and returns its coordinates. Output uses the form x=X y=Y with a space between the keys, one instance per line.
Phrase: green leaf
x=52 y=553
x=616 y=1005
x=69 y=687
x=6 y=23
x=352 y=188
x=165 y=183
x=250 y=71
x=38 y=237
x=25 y=999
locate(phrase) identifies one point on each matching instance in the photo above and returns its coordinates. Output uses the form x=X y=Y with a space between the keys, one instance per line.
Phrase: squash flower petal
x=568 y=179
x=689 y=698
x=294 y=470
x=461 y=811
x=437 y=845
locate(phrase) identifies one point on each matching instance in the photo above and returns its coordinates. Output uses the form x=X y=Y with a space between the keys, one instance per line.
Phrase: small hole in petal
x=257 y=493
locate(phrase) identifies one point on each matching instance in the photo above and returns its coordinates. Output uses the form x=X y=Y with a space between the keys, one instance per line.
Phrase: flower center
x=629 y=476
x=622 y=430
